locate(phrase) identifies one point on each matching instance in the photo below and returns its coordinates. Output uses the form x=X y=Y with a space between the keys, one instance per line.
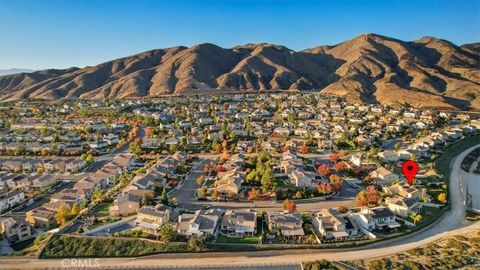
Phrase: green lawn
x=244 y=240
x=101 y=209
x=442 y=163
x=429 y=215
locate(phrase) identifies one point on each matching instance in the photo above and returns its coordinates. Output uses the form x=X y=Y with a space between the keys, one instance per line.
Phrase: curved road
x=452 y=223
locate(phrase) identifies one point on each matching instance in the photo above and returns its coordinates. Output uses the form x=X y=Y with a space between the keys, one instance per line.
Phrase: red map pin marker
x=410 y=169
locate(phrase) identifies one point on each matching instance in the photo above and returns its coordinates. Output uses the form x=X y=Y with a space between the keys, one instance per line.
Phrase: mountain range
x=370 y=68
x=11 y=71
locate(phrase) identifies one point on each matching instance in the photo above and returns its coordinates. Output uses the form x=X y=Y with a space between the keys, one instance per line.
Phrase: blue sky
x=60 y=33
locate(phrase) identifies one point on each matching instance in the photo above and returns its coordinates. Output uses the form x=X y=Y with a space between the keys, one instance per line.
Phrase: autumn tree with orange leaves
x=289 y=205
x=324 y=188
x=253 y=194
x=336 y=181
x=323 y=169
x=303 y=149
x=341 y=166
x=368 y=197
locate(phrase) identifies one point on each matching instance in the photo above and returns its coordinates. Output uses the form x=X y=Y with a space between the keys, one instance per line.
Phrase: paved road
x=452 y=223
x=186 y=193
x=186 y=196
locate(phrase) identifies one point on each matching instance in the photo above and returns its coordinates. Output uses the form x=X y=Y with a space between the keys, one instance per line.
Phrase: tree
x=341 y=166
x=289 y=205
x=63 y=214
x=168 y=233
x=416 y=218
x=164 y=197
x=368 y=197
x=372 y=195
x=303 y=149
x=135 y=148
x=196 y=244
x=215 y=194
x=442 y=197
x=251 y=176
x=44 y=152
x=336 y=181
x=334 y=157
x=253 y=194
x=145 y=199
x=200 y=180
x=324 y=188
x=362 y=199
x=298 y=195
x=202 y=192
x=225 y=154
x=75 y=210
x=267 y=179
x=97 y=195
x=216 y=146
x=323 y=169
x=262 y=156
x=89 y=159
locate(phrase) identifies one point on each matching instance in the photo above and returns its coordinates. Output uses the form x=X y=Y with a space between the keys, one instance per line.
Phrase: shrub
x=68 y=246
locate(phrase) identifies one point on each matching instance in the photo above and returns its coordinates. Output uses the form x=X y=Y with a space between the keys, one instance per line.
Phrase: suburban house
x=70 y=196
x=288 y=224
x=15 y=229
x=229 y=182
x=43 y=181
x=383 y=176
x=151 y=218
x=239 y=223
x=301 y=178
x=201 y=224
x=41 y=217
x=331 y=224
x=406 y=191
x=11 y=199
x=403 y=206
x=127 y=203
x=376 y=219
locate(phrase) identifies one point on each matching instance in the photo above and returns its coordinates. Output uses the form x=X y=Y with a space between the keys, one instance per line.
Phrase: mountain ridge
x=370 y=68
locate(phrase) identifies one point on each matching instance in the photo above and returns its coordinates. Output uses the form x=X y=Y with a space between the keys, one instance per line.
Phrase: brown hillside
x=428 y=72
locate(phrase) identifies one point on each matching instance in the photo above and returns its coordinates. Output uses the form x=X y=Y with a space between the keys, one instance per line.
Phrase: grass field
x=101 y=209
x=442 y=163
